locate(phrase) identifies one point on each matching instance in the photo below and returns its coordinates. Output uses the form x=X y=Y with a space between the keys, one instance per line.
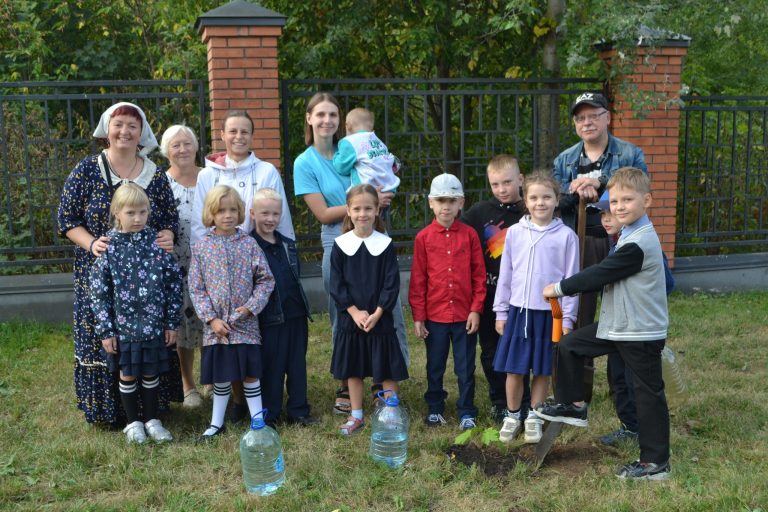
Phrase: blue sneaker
x=619 y=436
x=467 y=422
x=434 y=420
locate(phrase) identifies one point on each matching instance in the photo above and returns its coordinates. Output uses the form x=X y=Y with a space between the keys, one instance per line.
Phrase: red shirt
x=447 y=275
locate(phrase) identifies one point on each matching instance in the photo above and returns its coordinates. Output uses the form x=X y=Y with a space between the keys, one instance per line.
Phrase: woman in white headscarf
x=83 y=218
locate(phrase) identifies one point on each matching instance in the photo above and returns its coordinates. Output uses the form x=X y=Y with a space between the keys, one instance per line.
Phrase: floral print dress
x=84 y=202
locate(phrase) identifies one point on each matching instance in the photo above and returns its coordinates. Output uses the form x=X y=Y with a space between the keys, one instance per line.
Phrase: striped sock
x=221 y=392
x=252 y=391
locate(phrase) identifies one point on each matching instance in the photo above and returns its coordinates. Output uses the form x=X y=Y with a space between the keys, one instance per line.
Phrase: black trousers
x=643 y=358
x=622 y=387
x=284 y=356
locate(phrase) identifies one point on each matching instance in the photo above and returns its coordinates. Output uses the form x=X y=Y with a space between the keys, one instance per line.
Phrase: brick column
x=242 y=71
x=656 y=129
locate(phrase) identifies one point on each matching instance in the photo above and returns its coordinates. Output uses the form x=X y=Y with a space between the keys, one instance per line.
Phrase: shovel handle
x=557 y=320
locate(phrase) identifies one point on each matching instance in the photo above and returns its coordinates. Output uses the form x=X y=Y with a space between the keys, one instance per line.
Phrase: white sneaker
x=533 y=426
x=509 y=429
x=157 y=431
x=135 y=433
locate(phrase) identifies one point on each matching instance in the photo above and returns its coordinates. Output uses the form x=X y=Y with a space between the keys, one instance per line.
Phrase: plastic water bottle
x=389 y=433
x=261 y=455
x=674 y=385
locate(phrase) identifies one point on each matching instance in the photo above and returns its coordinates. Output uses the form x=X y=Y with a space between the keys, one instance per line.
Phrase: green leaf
x=490 y=435
x=464 y=437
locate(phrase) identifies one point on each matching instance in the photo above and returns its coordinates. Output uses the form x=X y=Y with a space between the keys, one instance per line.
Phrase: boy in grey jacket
x=633 y=322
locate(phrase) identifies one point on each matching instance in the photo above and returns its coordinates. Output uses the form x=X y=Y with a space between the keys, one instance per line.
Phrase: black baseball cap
x=594 y=99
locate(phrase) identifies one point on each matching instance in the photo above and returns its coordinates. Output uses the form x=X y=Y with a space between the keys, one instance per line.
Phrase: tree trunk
x=548 y=140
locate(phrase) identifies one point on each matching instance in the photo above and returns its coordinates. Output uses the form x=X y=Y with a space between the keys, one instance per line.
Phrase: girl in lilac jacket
x=538 y=250
x=229 y=283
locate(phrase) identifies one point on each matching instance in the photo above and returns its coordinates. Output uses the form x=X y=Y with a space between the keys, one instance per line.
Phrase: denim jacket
x=272 y=314
x=620 y=154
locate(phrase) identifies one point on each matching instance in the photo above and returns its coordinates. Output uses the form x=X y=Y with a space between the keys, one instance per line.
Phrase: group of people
x=206 y=257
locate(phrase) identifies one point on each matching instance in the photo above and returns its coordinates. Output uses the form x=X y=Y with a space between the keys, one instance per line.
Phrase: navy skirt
x=359 y=354
x=136 y=358
x=230 y=363
x=526 y=347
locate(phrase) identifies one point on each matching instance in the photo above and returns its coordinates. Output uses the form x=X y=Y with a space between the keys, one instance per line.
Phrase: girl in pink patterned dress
x=229 y=283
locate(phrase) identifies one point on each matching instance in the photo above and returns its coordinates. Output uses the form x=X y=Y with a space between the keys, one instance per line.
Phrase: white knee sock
x=252 y=391
x=221 y=392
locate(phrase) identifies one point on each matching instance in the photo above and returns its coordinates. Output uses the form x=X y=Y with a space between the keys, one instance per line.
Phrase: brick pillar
x=656 y=131
x=242 y=71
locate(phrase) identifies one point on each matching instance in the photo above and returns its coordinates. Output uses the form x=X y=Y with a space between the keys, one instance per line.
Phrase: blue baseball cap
x=603 y=203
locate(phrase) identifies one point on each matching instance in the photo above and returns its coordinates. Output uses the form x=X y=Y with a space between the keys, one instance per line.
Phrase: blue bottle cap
x=257 y=421
x=392 y=400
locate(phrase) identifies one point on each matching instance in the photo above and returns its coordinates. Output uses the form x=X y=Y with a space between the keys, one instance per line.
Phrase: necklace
x=130 y=171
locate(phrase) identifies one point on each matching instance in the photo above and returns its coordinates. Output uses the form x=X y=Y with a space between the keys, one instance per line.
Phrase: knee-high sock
x=221 y=392
x=130 y=397
x=149 y=389
x=252 y=392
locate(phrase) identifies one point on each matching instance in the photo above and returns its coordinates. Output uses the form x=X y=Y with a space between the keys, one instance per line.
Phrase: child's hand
x=373 y=319
x=549 y=292
x=110 y=345
x=500 y=325
x=244 y=312
x=473 y=322
x=360 y=317
x=220 y=327
x=421 y=330
x=170 y=338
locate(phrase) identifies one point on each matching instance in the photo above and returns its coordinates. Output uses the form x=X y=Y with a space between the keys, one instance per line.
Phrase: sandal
x=351 y=426
x=375 y=394
x=343 y=404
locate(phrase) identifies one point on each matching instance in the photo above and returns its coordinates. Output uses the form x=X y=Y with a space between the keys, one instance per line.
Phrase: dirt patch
x=574 y=458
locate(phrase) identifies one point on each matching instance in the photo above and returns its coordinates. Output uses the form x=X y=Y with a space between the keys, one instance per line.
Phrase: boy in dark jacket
x=283 y=321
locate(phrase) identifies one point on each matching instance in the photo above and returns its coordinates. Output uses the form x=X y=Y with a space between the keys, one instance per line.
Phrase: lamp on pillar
x=242 y=42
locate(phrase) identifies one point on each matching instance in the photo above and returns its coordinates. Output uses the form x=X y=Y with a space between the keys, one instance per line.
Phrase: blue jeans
x=441 y=337
x=328 y=234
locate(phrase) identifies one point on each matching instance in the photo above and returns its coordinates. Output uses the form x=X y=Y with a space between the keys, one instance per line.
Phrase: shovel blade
x=546 y=442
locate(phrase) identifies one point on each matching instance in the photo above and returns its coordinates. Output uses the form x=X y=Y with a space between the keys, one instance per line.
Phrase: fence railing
x=722 y=202
x=45 y=129
x=453 y=125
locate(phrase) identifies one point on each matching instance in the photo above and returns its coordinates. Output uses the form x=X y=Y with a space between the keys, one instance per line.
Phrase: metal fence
x=45 y=129
x=453 y=125
x=722 y=202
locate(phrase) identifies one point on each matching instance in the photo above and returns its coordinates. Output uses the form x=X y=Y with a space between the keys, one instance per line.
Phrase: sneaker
x=351 y=426
x=192 y=399
x=135 y=433
x=644 y=471
x=498 y=413
x=619 y=436
x=238 y=412
x=533 y=428
x=157 y=432
x=467 y=422
x=563 y=413
x=509 y=429
x=434 y=420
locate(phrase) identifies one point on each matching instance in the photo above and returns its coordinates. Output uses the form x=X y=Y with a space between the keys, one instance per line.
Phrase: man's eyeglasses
x=589 y=117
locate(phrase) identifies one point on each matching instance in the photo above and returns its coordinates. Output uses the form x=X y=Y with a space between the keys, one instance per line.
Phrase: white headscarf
x=147 y=140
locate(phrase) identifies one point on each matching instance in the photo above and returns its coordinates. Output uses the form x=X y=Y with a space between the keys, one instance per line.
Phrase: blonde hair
x=503 y=162
x=127 y=195
x=267 y=193
x=171 y=133
x=319 y=97
x=630 y=177
x=362 y=117
x=541 y=177
x=213 y=203
x=360 y=190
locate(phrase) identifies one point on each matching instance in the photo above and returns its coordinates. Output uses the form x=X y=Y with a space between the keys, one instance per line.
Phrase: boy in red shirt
x=446 y=294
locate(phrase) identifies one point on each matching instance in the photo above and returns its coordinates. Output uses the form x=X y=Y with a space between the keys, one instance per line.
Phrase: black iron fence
x=453 y=125
x=722 y=202
x=45 y=129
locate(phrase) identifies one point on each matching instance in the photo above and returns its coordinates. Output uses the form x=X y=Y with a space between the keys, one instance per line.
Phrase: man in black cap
x=583 y=170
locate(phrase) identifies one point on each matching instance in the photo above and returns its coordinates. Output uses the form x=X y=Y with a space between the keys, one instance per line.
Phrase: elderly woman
x=83 y=217
x=179 y=146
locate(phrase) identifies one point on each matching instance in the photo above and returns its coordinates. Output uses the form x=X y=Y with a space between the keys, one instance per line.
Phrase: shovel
x=553 y=429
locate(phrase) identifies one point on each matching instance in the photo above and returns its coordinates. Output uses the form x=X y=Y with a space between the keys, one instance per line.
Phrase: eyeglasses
x=588 y=117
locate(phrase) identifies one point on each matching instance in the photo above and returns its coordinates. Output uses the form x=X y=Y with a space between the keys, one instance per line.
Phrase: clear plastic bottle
x=674 y=385
x=261 y=455
x=389 y=432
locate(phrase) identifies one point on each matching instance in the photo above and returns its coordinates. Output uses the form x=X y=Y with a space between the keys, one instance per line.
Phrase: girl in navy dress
x=229 y=283
x=538 y=250
x=136 y=300
x=364 y=284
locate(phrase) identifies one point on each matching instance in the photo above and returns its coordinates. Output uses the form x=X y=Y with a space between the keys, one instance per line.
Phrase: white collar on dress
x=349 y=243
x=143 y=179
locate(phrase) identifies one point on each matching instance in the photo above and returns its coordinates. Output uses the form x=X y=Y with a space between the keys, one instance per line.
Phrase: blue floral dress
x=85 y=201
x=136 y=297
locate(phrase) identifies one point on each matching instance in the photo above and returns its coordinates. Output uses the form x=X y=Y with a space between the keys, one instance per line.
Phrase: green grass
x=50 y=459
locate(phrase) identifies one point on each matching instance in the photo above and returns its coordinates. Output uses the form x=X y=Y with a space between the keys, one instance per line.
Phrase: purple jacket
x=534 y=257
x=226 y=272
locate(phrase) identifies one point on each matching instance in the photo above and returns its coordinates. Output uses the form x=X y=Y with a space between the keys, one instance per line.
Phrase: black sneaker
x=563 y=413
x=644 y=471
x=619 y=436
x=434 y=420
